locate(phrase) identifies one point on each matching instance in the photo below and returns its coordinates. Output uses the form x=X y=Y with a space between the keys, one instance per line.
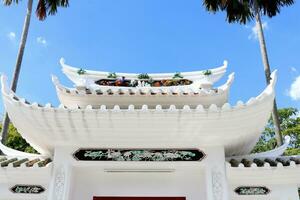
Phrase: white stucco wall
x=192 y=180
x=6 y=194
x=11 y=176
x=185 y=181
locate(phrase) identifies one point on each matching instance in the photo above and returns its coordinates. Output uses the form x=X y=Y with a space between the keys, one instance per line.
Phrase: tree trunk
x=18 y=66
x=264 y=54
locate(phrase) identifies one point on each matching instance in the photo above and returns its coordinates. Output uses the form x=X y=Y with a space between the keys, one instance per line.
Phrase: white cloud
x=293 y=69
x=254 y=30
x=11 y=36
x=41 y=40
x=294 y=91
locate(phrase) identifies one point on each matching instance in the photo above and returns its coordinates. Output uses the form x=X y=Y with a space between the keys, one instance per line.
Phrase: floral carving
x=59 y=184
x=217 y=185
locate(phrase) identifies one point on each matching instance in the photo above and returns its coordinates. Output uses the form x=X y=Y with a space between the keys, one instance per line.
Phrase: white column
x=215 y=170
x=62 y=174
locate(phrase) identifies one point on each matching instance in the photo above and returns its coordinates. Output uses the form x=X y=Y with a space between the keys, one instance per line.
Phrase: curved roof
x=237 y=128
x=89 y=77
x=110 y=96
x=272 y=153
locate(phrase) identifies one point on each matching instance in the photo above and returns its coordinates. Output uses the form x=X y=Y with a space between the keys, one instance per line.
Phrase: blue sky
x=149 y=36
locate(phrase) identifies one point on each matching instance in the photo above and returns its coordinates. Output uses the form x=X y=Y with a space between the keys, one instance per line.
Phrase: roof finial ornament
x=225 y=63
x=62 y=61
x=4 y=85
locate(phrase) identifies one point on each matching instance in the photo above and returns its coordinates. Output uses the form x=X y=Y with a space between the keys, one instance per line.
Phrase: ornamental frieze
x=27 y=189
x=156 y=155
x=252 y=190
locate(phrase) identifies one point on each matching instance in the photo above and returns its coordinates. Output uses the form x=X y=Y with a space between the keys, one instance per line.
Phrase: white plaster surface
x=94 y=181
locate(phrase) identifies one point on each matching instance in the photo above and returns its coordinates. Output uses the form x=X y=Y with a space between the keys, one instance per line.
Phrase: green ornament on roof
x=207 y=72
x=112 y=75
x=177 y=75
x=81 y=71
x=144 y=76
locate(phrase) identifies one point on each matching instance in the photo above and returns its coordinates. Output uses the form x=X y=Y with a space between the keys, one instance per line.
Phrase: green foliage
x=44 y=7
x=243 y=11
x=264 y=144
x=290 y=125
x=292 y=151
x=16 y=141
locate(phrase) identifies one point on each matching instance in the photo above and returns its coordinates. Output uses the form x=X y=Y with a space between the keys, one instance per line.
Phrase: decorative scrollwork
x=27 y=189
x=138 y=155
x=252 y=190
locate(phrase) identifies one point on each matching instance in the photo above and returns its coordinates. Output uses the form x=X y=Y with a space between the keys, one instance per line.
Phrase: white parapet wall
x=26 y=178
x=282 y=182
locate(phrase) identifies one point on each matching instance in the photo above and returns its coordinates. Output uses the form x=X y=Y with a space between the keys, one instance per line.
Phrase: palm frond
x=271 y=8
x=242 y=11
x=236 y=10
x=41 y=10
x=212 y=5
x=64 y=3
x=52 y=5
x=49 y=7
x=9 y=2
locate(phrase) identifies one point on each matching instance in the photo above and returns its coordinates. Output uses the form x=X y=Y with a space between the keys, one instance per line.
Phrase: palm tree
x=243 y=11
x=44 y=8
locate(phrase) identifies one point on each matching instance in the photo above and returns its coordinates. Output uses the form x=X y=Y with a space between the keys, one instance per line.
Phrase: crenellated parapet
x=150 y=96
